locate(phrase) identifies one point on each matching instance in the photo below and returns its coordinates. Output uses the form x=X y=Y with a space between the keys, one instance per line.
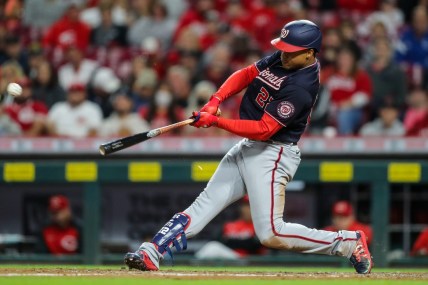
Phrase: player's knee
x=272 y=242
x=269 y=239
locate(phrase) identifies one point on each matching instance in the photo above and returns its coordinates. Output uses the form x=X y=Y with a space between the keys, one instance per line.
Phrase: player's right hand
x=203 y=120
x=212 y=106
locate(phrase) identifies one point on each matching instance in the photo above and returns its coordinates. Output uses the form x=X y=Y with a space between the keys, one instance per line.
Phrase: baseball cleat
x=140 y=260
x=361 y=258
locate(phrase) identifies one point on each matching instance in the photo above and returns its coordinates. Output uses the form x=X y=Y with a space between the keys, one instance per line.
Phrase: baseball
x=14 y=89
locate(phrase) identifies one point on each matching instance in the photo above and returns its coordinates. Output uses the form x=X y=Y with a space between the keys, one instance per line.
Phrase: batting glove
x=204 y=120
x=212 y=105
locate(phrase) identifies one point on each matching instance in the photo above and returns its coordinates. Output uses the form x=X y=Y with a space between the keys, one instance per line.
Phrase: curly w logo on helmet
x=284 y=33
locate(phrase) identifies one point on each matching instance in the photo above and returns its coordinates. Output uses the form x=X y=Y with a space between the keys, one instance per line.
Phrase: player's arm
x=277 y=114
x=234 y=84
x=263 y=129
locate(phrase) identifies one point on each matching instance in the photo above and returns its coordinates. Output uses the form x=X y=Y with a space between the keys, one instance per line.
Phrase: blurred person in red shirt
x=240 y=235
x=344 y=219
x=416 y=116
x=420 y=247
x=195 y=17
x=62 y=235
x=68 y=30
x=238 y=238
x=350 y=88
x=28 y=113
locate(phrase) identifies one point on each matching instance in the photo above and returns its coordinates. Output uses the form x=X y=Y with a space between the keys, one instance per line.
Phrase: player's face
x=296 y=60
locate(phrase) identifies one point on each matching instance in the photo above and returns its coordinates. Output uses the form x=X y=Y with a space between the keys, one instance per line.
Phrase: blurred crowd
x=116 y=67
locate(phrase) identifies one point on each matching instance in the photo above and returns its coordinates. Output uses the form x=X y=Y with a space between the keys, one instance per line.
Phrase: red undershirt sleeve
x=257 y=130
x=236 y=82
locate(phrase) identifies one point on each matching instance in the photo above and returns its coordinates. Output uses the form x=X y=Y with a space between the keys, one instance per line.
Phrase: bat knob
x=102 y=150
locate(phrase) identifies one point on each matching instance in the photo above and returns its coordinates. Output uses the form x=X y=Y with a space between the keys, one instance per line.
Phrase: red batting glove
x=205 y=120
x=212 y=105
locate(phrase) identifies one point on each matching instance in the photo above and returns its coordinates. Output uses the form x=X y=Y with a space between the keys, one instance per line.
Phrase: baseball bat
x=126 y=142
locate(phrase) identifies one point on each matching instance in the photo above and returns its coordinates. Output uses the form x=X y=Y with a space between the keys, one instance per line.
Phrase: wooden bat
x=126 y=142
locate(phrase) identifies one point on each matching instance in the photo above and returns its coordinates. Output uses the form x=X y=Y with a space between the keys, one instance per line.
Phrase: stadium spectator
x=420 y=247
x=45 y=85
x=175 y=8
x=217 y=61
x=178 y=79
x=195 y=19
x=266 y=21
x=123 y=121
x=68 y=30
x=187 y=52
x=162 y=109
x=389 y=81
x=201 y=94
x=7 y=126
x=356 y=10
x=343 y=218
x=331 y=43
x=412 y=50
x=388 y=15
x=41 y=14
x=77 y=117
x=30 y=114
x=107 y=33
x=144 y=86
x=416 y=116
x=351 y=89
x=14 y=51
x=77 y=68
x=143 y=27
x=92 y=14
x=10 y=71
x=103 y=84
x=35 y=58
x=387 y=124
x=63 y=235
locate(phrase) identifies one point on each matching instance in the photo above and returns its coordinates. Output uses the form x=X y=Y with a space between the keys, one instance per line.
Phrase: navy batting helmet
x=299 y=35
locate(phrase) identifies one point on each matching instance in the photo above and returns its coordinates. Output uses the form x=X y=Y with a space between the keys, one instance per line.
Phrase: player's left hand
x=212 y=106
x=205 y=120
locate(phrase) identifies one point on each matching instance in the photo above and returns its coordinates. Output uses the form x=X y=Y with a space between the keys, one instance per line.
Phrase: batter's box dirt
x=192 y=275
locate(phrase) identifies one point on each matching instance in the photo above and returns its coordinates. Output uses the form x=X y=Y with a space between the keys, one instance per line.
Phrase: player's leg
x=268 y=168
x=225 y=187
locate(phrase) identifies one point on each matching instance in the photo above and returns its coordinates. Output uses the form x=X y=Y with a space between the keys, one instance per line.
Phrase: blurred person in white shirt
x=123 y=122
x=77 y=117
x=387 y=124
x=77 y=69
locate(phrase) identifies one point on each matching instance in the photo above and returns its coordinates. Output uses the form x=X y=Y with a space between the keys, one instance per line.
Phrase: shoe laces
x=359 y=252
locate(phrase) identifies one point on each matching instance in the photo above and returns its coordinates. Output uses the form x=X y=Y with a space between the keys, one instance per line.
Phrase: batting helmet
x=299 y=35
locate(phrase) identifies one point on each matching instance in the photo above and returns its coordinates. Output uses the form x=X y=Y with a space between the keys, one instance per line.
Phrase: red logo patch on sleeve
x=285 y=109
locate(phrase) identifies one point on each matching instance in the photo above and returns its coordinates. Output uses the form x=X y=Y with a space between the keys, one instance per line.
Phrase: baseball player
x=281 y=91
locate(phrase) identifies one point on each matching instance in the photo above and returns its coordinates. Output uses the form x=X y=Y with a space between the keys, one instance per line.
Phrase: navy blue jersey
x=287 y=96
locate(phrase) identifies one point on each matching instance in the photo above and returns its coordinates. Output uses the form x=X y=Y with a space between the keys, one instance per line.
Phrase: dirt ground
x=173 y=274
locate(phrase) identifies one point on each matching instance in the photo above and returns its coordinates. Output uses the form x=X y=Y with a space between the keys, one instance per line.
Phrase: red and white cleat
x=361 y=258
x=140 y=260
